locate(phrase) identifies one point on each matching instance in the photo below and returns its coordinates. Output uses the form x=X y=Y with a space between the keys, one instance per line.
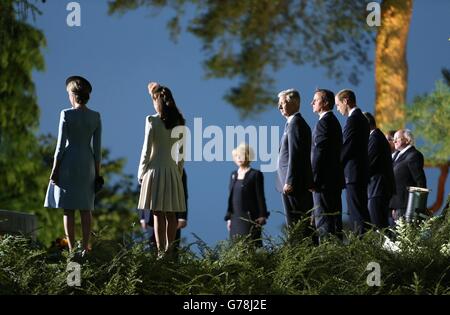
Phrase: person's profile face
x=341 y=106
x=400 y=142
x=71 y=98
x=239 y=159
x=157 y=103
x=318 y=104
x=286 y=108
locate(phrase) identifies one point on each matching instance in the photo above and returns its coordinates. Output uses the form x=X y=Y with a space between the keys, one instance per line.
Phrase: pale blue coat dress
x=161 y=169
x=78 y=149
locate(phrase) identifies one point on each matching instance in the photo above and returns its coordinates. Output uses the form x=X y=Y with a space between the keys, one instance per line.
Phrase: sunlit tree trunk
x=440 y=185
x=391 y=68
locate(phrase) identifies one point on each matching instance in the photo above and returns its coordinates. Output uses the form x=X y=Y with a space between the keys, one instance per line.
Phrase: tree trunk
x=440 y=187
x=391 y=68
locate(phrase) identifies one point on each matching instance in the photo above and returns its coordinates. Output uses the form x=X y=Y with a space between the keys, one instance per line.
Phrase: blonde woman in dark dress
x=247 y=210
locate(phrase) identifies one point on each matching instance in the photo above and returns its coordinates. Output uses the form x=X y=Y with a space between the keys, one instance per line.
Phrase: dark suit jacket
x=326 y=154
x=381 y=173
x=294 y=163
x=408 y=171
x=183 y=215
x=355 y=149
x=254 y=200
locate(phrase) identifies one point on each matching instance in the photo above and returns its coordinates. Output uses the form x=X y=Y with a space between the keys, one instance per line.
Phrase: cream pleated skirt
x=162 y=190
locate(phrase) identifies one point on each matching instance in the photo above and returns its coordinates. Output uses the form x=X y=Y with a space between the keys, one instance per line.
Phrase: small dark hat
x=79 y=78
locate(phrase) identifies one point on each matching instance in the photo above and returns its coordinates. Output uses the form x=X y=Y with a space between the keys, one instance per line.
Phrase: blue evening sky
x=121 y=54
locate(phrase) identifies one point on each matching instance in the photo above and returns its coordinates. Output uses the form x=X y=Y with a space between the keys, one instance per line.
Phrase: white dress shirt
x=290 y=117
x=323 y=114
x=352 y=110
x=403 y=151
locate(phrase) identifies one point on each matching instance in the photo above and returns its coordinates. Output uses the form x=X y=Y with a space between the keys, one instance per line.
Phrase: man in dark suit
x=355 y=160
x=182 y=216
x=294 y=162
x=408 y=171
x=381 y=175
x=327 y=168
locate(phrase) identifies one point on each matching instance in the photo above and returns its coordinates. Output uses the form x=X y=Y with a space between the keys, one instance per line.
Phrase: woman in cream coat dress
x=160 y=173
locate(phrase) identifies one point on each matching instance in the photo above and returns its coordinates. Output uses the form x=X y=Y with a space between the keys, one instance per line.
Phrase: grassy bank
x=417 y=263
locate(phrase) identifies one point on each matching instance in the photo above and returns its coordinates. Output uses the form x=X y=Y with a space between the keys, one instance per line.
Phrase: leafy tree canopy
x=252 y=39
x=25 y=158
x=430 y=118
x=20 y=54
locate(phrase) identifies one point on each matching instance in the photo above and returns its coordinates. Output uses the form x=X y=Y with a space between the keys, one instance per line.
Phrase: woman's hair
x=80 y=90
x=170 y=114
x=246 y=151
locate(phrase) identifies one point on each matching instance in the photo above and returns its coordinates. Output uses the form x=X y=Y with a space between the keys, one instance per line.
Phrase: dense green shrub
x=417 y=262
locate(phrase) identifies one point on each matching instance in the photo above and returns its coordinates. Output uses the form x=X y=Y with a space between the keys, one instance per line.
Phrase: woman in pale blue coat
x=76 y=163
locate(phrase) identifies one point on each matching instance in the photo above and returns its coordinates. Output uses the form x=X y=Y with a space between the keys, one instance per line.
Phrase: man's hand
x=261 y=221
x=54 y=177
x=394 y=215
x=287 y=189
x=228 y=225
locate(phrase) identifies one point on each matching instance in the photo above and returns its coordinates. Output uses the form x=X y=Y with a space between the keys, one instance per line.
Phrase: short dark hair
x=371 y=120
x=347 y=94
x=327 y=96
x=391 y=133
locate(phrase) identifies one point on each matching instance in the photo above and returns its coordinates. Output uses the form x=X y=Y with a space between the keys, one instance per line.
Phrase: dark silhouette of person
x=327 y=168
x=294 y=179
x=355 y=160
x=381 y=175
